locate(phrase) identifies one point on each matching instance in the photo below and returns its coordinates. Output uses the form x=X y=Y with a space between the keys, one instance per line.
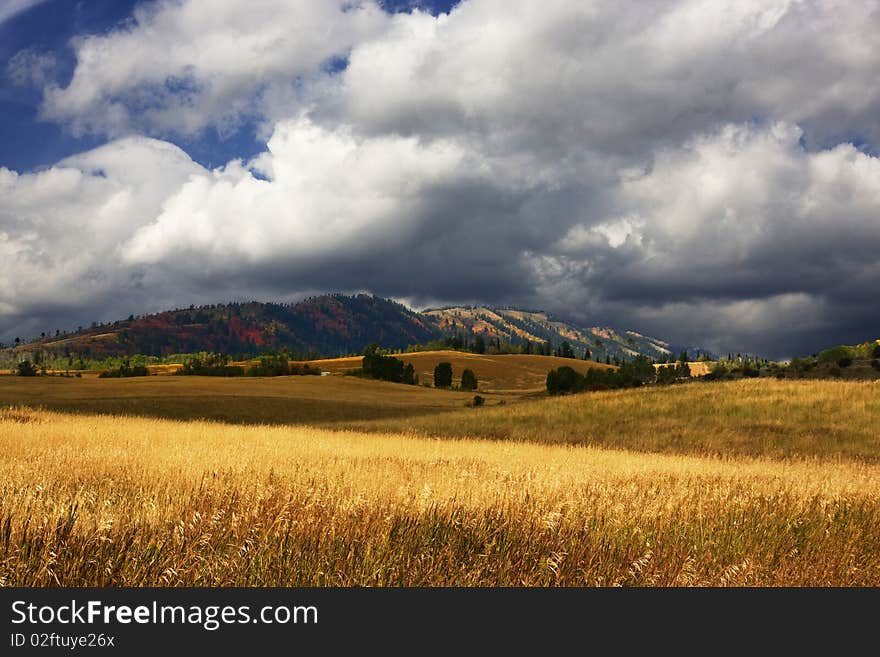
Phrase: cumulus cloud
x=181 y=66
x=684 y=169
x=60 y=229
x=314 y=192
x=605 y=75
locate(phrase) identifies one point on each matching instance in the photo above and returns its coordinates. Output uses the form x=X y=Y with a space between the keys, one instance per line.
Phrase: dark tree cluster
x=279 y=365
x=376 y=365
x=26 y=368
x=124 y=371
x=631 y=374
x=209 y=365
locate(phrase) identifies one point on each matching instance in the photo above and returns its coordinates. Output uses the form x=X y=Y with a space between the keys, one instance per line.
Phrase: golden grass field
x=248 y=400
x=757 y=482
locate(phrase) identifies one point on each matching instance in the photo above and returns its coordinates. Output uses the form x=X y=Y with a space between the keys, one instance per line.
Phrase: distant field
x=505 y=373
x=108 y=501
x=245 y=400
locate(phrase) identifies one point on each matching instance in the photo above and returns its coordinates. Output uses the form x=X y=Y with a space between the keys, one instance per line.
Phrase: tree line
x=632 y=374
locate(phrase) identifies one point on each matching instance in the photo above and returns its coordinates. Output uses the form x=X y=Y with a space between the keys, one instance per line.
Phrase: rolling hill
x=497 y=373
x=330 y=325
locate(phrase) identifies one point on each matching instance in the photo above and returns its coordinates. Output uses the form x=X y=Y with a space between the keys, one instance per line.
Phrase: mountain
x=513 y=325
x=331 y=325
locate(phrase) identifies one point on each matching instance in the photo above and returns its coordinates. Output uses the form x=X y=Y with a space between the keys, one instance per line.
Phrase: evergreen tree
x=443 y=375
x=468 y=380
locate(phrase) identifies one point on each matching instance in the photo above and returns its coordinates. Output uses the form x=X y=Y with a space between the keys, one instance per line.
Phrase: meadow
x=755 y=482
x=751 y=417
x=241 y=400
x=497 y=373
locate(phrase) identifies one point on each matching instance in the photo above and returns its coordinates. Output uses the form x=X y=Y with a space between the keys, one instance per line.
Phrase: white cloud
x=617 y=77
x=326 y=192
x=60 y=229
x=181 y=66
x=12 y=8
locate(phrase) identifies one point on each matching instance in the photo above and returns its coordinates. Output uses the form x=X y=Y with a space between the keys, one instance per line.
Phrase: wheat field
x=129 y=501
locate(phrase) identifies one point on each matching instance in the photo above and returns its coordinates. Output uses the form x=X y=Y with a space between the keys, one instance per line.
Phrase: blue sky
x=27 y=143
x=705 y=171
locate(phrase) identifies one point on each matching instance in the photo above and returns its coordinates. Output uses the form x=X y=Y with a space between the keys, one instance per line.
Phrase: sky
x=704 y=171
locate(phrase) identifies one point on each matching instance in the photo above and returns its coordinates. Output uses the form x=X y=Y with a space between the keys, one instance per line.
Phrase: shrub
x=750 y=372
x=666 y=374
x=443 y=375
x=125 y=371
x=718 y=372
x=478 y=400
x=564 y=380
x=26 y=368
x=468 y=380
x=279 y=365
x=639 y=371
x=271 y=365
x=876 y=364
x=209 y=365
x=845 y=362
x=683 y=370
x=875 y=353
x=835 y=354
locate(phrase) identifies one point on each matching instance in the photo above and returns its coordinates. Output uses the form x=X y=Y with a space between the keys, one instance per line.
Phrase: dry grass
x=757 y=417
x=242 y=400
x=131 y=501
x=502 y=373
x=698 y=368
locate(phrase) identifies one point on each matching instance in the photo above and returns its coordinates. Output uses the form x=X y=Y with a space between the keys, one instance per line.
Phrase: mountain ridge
x=334 y=325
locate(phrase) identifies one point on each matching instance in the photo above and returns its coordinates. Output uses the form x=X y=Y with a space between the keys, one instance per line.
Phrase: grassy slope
x=171 y=503
x=765 y=417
